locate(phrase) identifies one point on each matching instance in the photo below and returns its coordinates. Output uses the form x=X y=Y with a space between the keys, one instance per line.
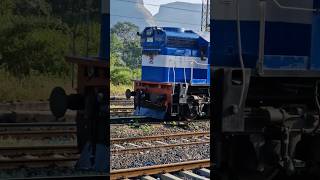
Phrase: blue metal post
x=315 y=42
x=105 y=30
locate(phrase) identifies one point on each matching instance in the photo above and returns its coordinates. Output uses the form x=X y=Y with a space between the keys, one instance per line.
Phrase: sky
x=154 y=8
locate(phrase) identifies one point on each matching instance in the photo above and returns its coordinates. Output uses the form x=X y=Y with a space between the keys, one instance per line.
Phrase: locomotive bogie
x=164 y=100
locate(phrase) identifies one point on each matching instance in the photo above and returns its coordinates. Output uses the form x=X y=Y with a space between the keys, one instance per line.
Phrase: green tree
x=126 y=32
x=116 y=48
x=35 y=35
x=6 y=7
x=82 y=17
x=33 y=44
x=32 y=8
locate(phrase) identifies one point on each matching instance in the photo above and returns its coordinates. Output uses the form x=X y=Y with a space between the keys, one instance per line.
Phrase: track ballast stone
x=156 y=129
x=160 y=156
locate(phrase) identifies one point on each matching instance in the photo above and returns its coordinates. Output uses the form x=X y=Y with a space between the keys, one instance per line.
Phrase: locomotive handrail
x=192 y=63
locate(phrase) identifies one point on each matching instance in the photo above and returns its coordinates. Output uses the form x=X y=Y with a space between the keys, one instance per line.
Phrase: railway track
x=44 y=105
x=65 y=129
x=39 y=111
x=121 y=111
x=8 y=116
x=54 y=125
x=121 y=102
x=141 y=144
x=46 y=155
x=178 y=171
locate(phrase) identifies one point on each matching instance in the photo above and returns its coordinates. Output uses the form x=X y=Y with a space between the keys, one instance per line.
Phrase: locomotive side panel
x=267 y=111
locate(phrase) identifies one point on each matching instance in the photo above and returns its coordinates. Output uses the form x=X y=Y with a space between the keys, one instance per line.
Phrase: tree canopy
x=36 y=35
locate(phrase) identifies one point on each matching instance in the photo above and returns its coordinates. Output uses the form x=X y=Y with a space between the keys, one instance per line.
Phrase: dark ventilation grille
x=181 y=42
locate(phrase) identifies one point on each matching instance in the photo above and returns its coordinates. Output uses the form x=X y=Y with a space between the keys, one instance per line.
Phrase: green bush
x=121 y=75
x=33 y=44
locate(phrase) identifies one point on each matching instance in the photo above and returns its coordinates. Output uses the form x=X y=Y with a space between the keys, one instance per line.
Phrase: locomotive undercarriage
x=180 y=100
x=273 y=134
x=190 y=102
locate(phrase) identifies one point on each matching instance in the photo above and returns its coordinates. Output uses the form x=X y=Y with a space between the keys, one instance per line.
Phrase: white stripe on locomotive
x=170 y=61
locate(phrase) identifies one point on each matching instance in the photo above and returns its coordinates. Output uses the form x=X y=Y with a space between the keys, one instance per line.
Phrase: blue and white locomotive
x=175 y=74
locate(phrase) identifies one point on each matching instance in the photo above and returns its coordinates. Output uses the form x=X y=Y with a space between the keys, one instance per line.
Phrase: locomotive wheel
x=188 y=114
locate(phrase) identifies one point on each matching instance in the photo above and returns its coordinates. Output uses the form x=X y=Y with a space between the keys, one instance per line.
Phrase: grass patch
x=146 y=128
x=38 y=87
x=34 y=87
x=119 y=90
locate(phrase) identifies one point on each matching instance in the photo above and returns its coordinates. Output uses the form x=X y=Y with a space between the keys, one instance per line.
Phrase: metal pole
x=262 y=35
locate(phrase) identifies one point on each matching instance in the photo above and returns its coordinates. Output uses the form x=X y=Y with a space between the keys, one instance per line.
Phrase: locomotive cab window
x=181 y=42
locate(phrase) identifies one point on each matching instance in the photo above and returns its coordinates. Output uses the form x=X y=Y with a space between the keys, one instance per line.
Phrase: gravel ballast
x=160 y=156
x=126 y=131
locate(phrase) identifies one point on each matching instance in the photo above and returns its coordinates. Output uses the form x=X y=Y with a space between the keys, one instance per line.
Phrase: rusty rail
x=42 y=149
x=158 y=137
x=38 y=161
x=158 y=169
x=140 y=149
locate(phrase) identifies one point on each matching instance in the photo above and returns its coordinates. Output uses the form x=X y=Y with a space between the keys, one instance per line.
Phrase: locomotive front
x=175 y=74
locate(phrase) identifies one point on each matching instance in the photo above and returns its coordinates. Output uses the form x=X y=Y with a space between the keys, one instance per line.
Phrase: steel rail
x=42 y=124
x=38 y=133
x=140 y=149
x=158 y=137
x=113 y=120
x=43 y=149
x=113 y=140
x=77 y=177
x=136 y=172
x=7 y=150
x=37 y=161
x=159 y=169
x=36 y=150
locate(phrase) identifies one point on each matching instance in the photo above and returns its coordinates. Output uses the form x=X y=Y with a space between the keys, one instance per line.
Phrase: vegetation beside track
x=33 y=87
x=38 y=87
x=35 y=36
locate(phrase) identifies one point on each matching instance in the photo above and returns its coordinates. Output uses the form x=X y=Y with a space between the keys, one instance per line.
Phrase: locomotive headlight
x=150 y=39
x=149 y=32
